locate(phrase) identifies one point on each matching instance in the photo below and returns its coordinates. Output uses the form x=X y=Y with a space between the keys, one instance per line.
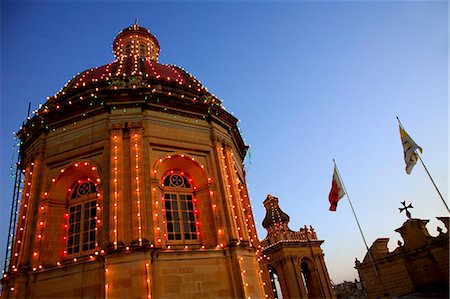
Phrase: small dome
x=136 y=41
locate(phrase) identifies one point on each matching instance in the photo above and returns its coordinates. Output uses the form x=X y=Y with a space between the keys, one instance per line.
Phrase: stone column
x=291 y=278
x=283 y=275
x=323 y=274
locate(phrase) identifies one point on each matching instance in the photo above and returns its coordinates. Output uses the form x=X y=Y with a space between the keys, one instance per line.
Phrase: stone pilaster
x=116 y=186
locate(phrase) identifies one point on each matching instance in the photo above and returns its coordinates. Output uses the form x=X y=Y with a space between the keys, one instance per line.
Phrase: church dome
x=134 y=80
x=126 y=70
x=136 y=66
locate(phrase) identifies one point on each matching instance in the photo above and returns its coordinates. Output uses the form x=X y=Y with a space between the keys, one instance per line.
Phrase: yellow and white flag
x=409 y=150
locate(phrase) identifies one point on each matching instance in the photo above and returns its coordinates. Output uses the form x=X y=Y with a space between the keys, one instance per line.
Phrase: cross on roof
x=408 y=214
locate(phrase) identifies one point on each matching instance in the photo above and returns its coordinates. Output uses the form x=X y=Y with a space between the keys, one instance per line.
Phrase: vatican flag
x=409 y=150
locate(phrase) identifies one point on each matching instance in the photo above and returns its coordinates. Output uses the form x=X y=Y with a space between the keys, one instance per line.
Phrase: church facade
x=134 y=187
x=418 y=267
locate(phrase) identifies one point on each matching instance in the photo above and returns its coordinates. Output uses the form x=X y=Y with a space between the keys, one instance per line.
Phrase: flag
x=409 y=150
x=336 y=192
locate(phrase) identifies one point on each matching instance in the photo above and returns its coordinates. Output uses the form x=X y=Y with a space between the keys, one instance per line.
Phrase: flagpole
x=429 y=175
x=356 y=218
x=440 y=195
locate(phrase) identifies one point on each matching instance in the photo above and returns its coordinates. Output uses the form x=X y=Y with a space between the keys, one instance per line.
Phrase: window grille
x=81 y=235
x=180 y=212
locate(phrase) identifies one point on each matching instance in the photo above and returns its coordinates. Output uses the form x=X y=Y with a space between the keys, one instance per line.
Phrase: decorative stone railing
x=305 y=234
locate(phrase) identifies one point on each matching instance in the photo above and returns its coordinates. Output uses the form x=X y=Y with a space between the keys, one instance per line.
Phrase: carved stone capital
x=136 y=127
x=116 y=126
x=116 y=132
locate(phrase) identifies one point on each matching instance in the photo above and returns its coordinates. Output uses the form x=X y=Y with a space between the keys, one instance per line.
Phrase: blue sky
x=310 y=81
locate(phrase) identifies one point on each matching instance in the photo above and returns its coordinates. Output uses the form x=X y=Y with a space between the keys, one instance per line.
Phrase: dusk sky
x=309 y=80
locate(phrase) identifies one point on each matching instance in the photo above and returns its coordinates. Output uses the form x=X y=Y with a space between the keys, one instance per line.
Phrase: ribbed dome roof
x=129 y=67
x=134 y=79
x=136 y=66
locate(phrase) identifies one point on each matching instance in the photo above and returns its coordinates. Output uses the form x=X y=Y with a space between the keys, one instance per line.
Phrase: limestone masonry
x=132 y=185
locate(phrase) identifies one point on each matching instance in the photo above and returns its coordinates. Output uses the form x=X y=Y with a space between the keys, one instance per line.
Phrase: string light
x=23 y=212
x=148 y=281
x=106 y=284
x=115 y=142
x=137 y=182
x=41 y=216
x=148 y=68
x=243 y=272
x=229 y=195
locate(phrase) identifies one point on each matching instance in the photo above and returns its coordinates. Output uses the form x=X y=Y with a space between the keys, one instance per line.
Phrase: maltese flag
x=336 y=192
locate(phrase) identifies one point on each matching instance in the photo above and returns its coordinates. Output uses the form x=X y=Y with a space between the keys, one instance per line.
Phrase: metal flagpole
x=429 y=175
x=440 y=195
x=356 y=218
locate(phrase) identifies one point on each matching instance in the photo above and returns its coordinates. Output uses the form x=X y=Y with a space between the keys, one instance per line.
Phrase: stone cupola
x=136 y=41
x=276 y=221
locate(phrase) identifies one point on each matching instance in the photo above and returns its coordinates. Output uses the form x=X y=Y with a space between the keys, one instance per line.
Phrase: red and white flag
x=336 y=192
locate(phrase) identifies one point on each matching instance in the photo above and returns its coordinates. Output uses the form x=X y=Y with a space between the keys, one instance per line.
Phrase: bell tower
x=295 y=260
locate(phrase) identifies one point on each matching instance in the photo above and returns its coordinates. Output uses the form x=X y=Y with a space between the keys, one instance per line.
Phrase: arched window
x=276 y=288
x=306 y=274
x=309 y=280
x=142 y=51
x=127 y=50
x=81 y=234
x=180 y=211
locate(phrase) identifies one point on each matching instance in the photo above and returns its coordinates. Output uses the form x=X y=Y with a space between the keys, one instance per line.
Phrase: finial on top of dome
x=135 y=25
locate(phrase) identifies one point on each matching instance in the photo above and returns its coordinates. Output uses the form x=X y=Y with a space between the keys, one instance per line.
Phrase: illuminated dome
x=136 y=66
x=134 y=79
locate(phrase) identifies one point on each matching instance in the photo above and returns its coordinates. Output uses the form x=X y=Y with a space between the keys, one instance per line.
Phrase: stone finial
x=445 y=220
x=313 y=232
x=414 y=233
x=274 y=215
